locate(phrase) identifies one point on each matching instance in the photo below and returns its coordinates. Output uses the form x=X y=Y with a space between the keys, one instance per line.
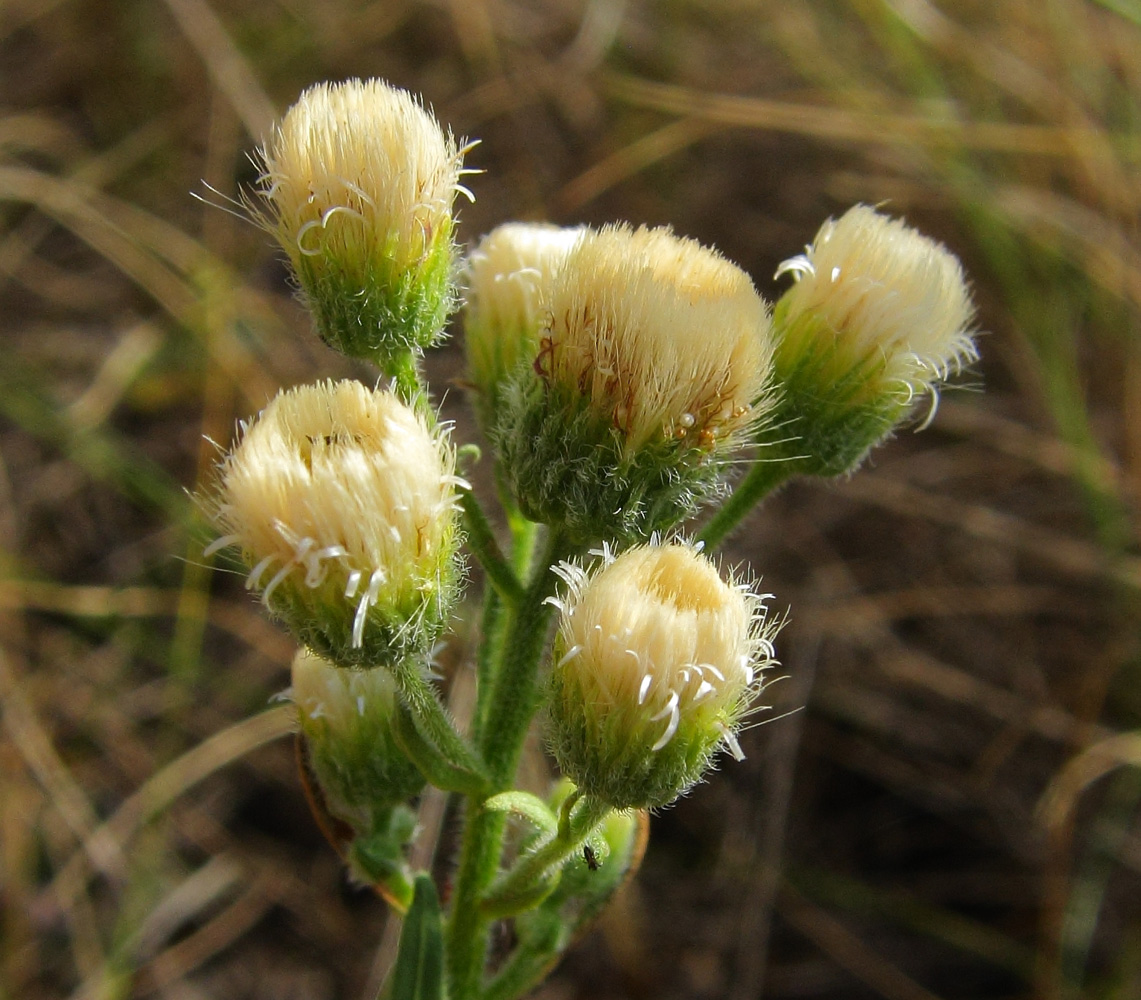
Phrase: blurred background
x=953 y=811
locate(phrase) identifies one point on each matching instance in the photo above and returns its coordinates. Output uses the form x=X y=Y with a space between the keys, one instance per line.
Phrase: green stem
x=509 y=710
x=759 y=482
x=493 y=627
x=407 y=382
x=538 y=865
x=468 y=927
x=531 y=960
x=481 y=540
x=433 y=765
x=523 y=535
x=515 y=695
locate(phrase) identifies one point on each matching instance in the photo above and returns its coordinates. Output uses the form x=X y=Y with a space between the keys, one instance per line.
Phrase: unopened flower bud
x=652 y=364
x=657 y=660
x=878 y=316
x=347 y=719
x=359 y=180
x=507 y=274
x=344 y=504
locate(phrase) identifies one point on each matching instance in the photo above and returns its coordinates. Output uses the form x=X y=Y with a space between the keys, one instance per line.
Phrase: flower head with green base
x=652 y=365
x=879 y=315
x=657 y=660
x=359 y=181
x=343 y=502
x=347 y=717
x=507 y=275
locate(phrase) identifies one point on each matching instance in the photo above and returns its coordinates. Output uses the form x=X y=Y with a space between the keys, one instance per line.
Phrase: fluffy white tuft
x=364 y=151
x=887 y=291
x=657 y=632
x=338 y=478
x=506 y=276
x=663 y=335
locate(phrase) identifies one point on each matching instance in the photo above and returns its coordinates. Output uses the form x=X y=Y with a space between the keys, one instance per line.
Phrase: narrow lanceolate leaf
x=419 y=971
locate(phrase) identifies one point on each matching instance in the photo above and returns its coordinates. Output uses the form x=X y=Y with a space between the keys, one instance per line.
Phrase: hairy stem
x=759 y=482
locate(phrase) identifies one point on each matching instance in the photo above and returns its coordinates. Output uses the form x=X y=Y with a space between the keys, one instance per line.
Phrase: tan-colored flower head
x=658 y=659
x=359 y=180
x=664 y=336
x=654 y=361
x=886 y=291
x=344 y=503
x=507 y=275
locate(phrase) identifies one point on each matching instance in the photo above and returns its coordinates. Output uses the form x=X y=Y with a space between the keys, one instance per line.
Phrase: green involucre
x=404 y=623
x=833 y=407
x=568 y=465
x=360 y=767
x=607 y=751
x=383 y=305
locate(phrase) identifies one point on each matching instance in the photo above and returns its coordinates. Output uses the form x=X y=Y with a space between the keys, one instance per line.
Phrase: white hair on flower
x=886 y=291
x=663 y=335
x=656 y=633
x=363 y=150
x=338 y=484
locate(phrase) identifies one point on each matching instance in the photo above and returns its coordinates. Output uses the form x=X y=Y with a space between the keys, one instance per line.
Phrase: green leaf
x=526 y=806
x=419 y=971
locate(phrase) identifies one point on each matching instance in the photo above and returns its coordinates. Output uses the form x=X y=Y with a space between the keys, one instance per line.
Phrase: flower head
x=653 y=363
x=660 y=334
x=344 y=503
x=658 y=659
x=878 y=316
x=359 y=181
x=347 y=718
x=885 y=291
x=507 y=276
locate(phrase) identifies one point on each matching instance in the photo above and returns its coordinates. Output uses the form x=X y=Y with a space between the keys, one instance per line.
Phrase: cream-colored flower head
x=658 y=658
x=344 y=503
x=346 y=716
x=654 y=361
x=878 y=316
x=664 y=336
x=887 y=292
x=359 y=180
x=507 y=275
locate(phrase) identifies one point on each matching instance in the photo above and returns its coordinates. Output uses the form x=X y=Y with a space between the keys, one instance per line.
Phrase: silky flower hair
x=654 y=363
x=663 y=335
x=358 y=185
x=887 y=293
x=658 y=658
x=344 y=503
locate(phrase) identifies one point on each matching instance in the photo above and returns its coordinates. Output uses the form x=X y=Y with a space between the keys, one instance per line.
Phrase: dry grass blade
x=1061 y=797
x=173 y=780
x=847 y=949
x=100 y=846
x=1071 y=555
x=630 y=160
x=228 y=68
x=822 y=121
